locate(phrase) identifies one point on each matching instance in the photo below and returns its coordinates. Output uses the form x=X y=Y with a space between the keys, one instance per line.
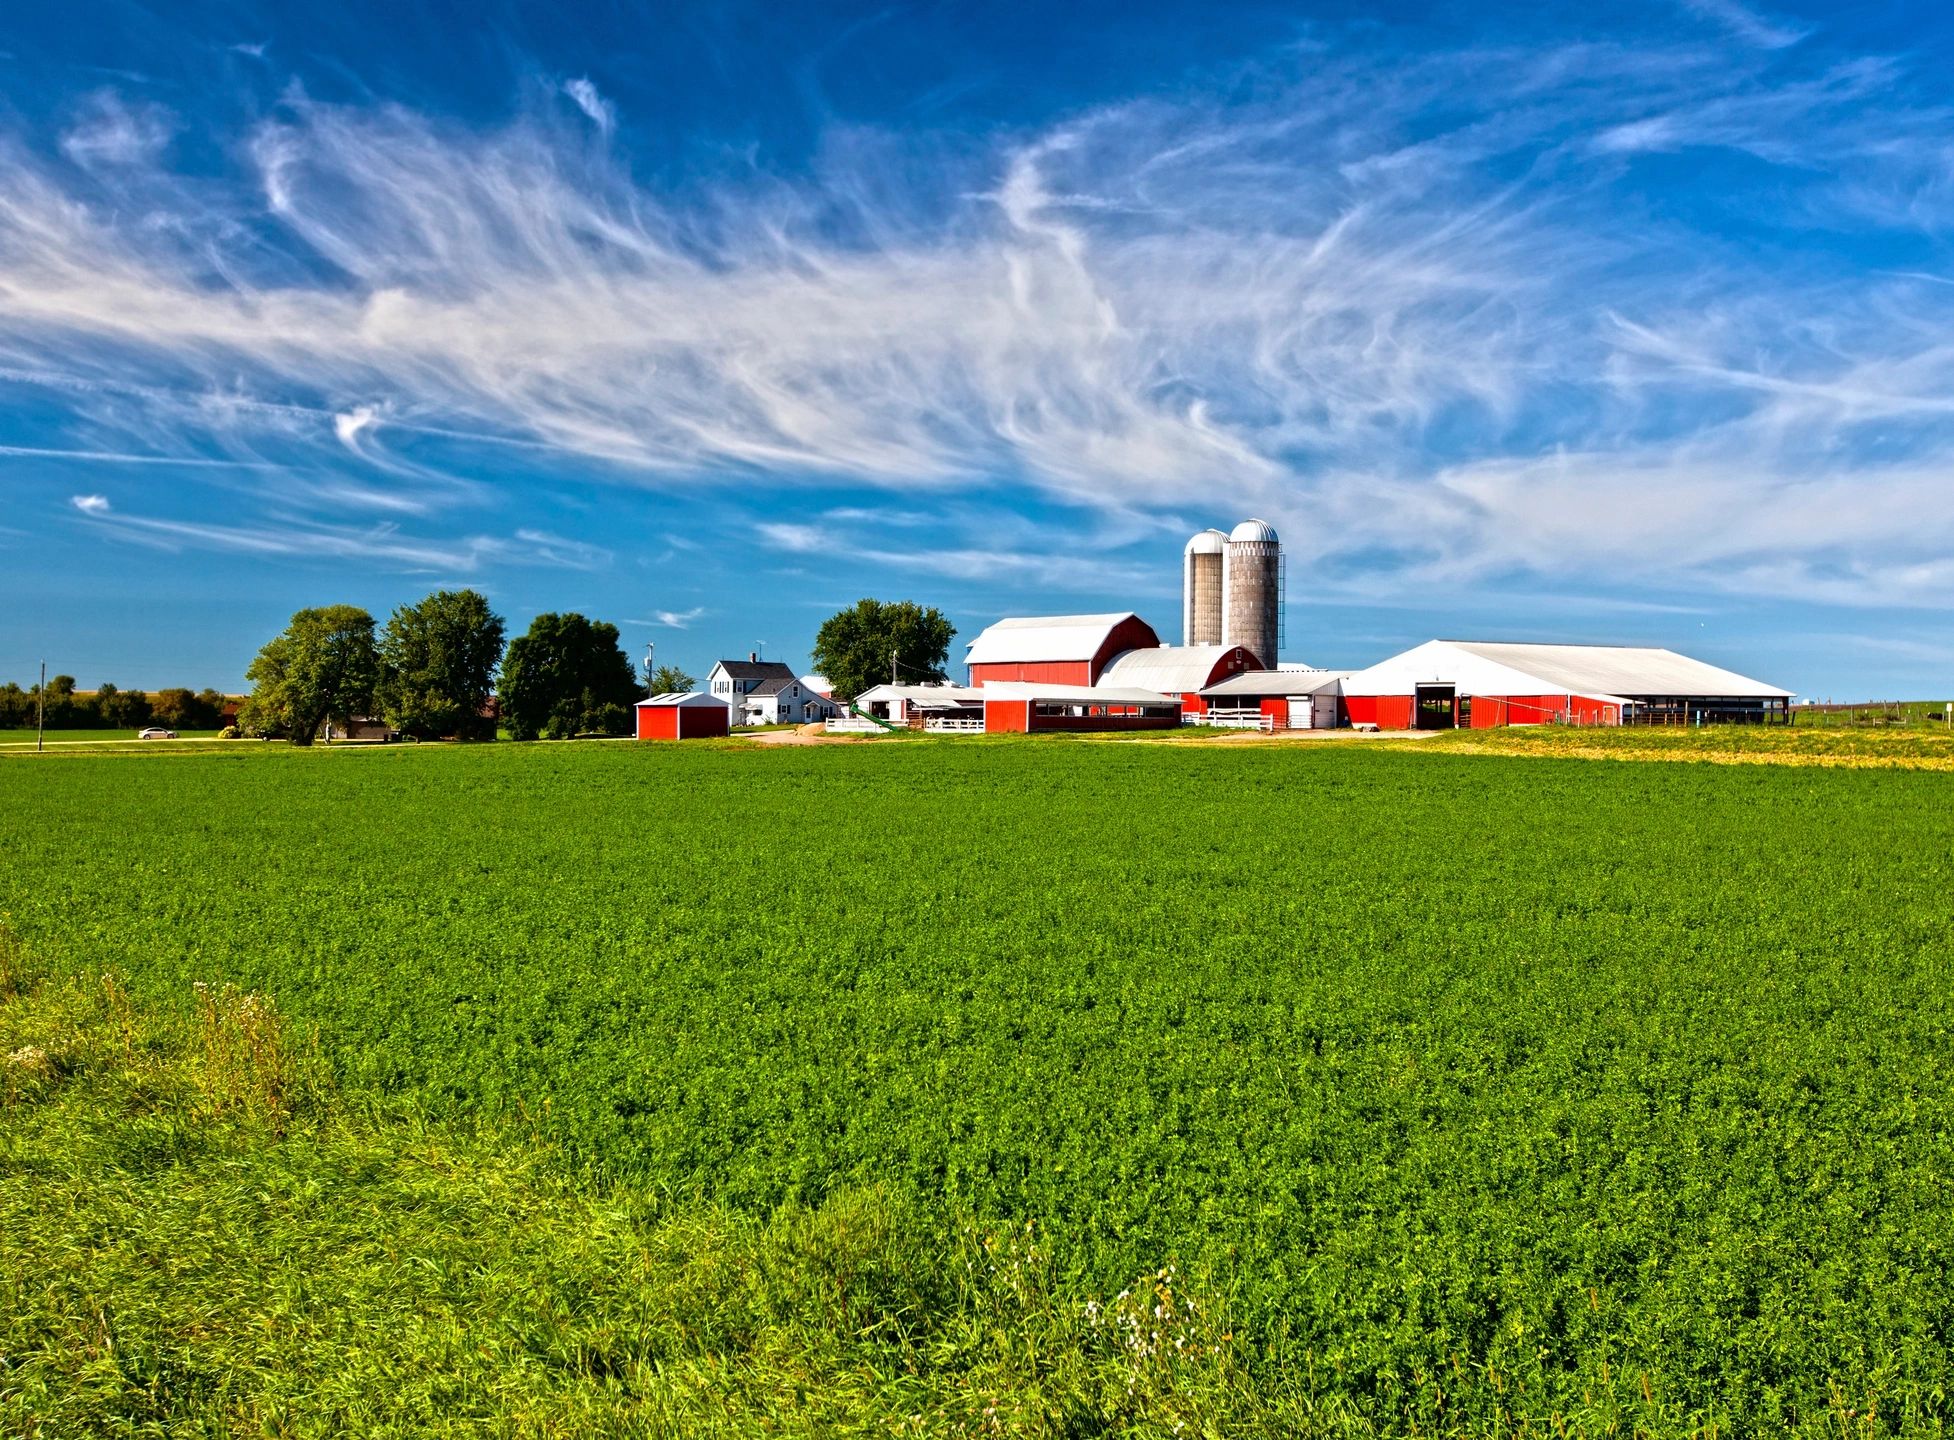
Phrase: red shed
x=692 y=716
x=1056 y=649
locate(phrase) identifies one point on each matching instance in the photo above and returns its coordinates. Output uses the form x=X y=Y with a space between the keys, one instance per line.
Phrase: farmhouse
x=1447 y=683
x=765 y=692
x=691 y=716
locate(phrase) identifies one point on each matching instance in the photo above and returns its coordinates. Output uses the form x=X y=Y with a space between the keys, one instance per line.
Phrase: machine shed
x=1447 y=683
x=1056 y=649
x=691 y=716
x=1285 y=699
x=1027 y=707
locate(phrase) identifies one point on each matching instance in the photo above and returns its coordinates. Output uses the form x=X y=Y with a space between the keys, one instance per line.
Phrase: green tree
x=670 y=680
x=182 y=709
x=567 y=676
x=853 y=647
x=323 y=666
x=121 y=709
x=65 y=710
x=438 y=660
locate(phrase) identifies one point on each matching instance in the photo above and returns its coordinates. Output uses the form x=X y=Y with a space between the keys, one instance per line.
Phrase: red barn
x=1182 y=671
x=1027 y=707
x=693 y=716
x=1056 y=649
x=1444 y=683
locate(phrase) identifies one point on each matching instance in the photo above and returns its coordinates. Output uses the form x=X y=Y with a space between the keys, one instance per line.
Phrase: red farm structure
x=1056 y=649
x=1023 y=707
x=1455 y=683
x=693 y=716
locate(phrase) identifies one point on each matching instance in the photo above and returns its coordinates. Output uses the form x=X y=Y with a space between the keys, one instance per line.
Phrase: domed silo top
x=1251 y=532
x=1208 y=542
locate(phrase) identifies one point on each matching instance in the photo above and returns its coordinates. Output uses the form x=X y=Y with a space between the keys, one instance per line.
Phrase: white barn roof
x=690 y=700
x=1604 y=672
x=1276 y=682
x=1043 y=637
x=923 y=695
x=1176 y=669
x=1076 y=694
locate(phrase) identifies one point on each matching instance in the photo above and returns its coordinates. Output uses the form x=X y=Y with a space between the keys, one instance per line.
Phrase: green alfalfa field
x=973 y=1087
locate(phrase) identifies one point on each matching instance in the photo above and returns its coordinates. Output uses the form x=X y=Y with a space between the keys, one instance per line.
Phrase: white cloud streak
x=1390 y=303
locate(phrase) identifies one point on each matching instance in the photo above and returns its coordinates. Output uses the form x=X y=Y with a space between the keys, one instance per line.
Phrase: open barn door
x=1435 y=708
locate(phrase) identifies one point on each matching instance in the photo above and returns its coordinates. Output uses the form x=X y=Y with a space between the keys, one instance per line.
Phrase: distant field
x=1475 y=1091
x=1881 y=713
x=15 y=739
x=1898 y=747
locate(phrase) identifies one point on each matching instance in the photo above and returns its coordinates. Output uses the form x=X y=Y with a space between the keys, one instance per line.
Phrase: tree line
x=109 y=708
x=439 y=669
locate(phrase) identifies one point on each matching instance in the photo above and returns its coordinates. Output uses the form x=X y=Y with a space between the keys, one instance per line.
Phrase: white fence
x=948 y=725
x=1232 y=720
x=853 y=725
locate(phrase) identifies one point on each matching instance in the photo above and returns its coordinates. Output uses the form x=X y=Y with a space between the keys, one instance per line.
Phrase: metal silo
x=1201 y=567
x=1251 y=590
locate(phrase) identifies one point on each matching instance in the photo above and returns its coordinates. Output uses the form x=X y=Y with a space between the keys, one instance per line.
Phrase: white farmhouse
x=766 y=692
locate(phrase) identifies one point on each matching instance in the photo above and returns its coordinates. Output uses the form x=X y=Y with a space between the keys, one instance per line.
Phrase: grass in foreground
x=1478 y=1094
x=197 y=1235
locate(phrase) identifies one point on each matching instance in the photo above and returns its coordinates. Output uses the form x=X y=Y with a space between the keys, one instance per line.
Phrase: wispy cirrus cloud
x=1414 y=307
x=112 y=131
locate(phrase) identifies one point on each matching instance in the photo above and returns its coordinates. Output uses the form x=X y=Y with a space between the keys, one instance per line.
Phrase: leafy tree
x=670 y=680
x=182 y=709
x=121 y=709
x=853 y=647
x=65 y=710
x=439 y=660
x=16 y=707
x=324 y=665
x=567 y=676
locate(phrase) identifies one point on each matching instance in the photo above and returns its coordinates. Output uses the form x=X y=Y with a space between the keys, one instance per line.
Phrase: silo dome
x=1208 y=542
x=1251 y=532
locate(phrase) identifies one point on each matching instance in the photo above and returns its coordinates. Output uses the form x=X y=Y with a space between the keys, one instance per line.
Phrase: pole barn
x=692 y=716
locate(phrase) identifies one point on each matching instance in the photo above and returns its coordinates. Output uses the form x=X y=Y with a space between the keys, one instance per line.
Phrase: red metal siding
x=1104 y=722
x=1132 y=633
x=681 y=722
x=701 y=722
x=1193 y=704
x=1047 y=672
x=1386 y=712
x=1007 y=716
x=1277 y=709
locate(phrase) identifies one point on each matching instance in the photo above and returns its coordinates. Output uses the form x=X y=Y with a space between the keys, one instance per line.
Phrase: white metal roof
x=1076 y=694
x=923 y=694
x=1253 y=532
x=1208 y=542
x=1175 y=669
x=1276 y=682
x=1605 y=672
x=690 y=700
x=1043 y=637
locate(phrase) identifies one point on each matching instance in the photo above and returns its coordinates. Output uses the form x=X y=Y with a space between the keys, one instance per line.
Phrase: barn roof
x=1276 y=682
x=691 y=699
x=924 y=695
x=1600 y=671
x=1075 y=694
x=1176 y=669
x=1029 y=639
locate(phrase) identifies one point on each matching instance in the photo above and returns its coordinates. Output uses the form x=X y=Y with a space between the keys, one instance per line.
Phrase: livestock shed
x=1447 y=683
x=1055 y=649
x=1027 y=707
x=1180 y=671
x=1277 y=699
x=924 y=707
x=691 y=716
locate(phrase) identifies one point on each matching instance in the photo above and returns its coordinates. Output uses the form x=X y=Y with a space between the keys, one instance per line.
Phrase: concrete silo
x=1201 y=566
x=1251 y=590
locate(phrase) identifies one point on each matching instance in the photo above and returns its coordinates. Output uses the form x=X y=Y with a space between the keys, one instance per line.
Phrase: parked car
x=156 y=732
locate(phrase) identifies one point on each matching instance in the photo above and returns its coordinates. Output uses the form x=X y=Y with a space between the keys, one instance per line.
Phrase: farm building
x=691 y=716
x=1022 y=707
x=766 y=692
x=1056 y=649
x=928 y=707
x=1275 y=699
x=1179 y=671
x=1447 y=683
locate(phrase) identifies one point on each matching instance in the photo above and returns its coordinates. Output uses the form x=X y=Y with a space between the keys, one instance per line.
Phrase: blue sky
x=708 y=320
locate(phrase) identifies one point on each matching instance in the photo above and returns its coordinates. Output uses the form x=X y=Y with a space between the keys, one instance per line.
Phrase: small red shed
x=692 y=716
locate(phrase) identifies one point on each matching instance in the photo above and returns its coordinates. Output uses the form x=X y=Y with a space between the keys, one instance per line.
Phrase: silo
x=1201 y=565
x=1251 y=590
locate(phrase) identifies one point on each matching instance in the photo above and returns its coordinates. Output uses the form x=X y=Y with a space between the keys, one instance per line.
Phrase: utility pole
x=893 y=680
x=648 y=645
x=40 y=714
